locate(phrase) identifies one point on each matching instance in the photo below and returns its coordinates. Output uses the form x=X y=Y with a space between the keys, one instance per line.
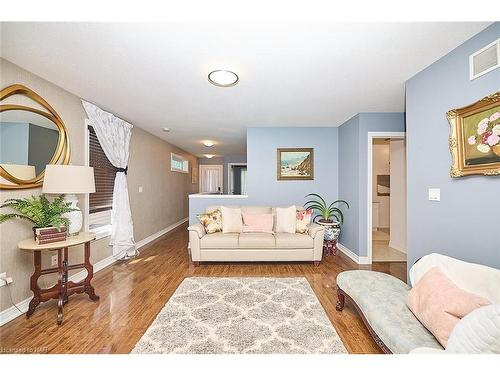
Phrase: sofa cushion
x=286 y=220
x=219 y=240
x=293 y=241
x=232 y=221
x=382 y=299
x=256 y=241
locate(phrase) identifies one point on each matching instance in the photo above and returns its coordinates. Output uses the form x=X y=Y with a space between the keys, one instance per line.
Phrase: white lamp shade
x=68 y=179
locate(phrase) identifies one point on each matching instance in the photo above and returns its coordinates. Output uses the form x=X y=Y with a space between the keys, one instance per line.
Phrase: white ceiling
x=155 y=75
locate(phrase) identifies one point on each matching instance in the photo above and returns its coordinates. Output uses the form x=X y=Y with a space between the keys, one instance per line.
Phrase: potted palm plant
x=329 y=215
x=41 y=212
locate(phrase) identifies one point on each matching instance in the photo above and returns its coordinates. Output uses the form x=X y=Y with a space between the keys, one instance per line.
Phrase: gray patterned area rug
x=219 y=315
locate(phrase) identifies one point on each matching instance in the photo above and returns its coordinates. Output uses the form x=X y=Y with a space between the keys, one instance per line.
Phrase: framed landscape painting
x=295 y=164
x=475 y=138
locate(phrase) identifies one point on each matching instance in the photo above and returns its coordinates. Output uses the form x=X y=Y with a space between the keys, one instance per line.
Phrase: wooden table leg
x=89 y=289
x=65 y=276
x=35 y=301
x=60 y=275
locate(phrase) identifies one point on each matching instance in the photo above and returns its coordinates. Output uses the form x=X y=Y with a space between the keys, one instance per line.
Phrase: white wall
x=398 y=194
x=381 y=166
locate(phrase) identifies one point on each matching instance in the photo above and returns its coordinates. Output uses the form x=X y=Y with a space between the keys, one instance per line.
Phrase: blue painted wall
x=263 y=188
x=349 y=181
x=353 y=166
x=261 y=157
x=466 y=223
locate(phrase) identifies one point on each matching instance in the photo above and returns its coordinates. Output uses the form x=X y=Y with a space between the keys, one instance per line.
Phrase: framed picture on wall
x=295 y=164
x=475 y=138
x=194 y=175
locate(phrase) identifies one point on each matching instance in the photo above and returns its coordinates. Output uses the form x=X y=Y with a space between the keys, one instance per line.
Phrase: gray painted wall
x=353 y=167
x=466 y=223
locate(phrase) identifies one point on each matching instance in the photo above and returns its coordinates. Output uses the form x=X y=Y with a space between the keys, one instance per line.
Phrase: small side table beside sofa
x=63 y=288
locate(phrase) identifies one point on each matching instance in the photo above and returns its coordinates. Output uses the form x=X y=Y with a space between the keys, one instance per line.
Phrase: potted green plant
x=329 y=215
x=39 y=211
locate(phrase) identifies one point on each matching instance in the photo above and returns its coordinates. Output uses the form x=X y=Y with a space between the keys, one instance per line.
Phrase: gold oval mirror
x=30 y=138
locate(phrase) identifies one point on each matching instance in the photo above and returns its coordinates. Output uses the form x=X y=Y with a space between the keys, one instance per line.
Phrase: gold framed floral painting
x=475 y=138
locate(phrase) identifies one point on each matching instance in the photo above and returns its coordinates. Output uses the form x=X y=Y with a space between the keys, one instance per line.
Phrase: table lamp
x=69 y=180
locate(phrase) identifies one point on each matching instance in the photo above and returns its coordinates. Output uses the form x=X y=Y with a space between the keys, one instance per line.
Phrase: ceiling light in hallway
x=223 y=78
x=208 y=143
x=209 y=156
x=166 y=130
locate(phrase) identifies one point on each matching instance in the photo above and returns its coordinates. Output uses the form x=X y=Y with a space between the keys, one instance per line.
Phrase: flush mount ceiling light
x=223 y=78
x=208 y=143
x=209 y=156
x=166 y=130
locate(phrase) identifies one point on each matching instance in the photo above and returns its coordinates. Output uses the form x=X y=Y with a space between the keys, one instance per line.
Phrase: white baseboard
x=156 y=235
x=11 y=313
x=355 y=257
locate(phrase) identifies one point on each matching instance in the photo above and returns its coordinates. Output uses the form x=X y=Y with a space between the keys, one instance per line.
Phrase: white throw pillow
x=477 y=332
x=286 y=219
x=232 y=221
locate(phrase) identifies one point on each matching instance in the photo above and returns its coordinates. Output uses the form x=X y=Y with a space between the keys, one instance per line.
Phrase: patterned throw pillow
x=212 y=221
x=303 y=220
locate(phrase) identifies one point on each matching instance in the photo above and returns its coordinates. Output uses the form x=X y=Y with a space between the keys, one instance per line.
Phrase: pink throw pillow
x=439 y=304
x=257 y=223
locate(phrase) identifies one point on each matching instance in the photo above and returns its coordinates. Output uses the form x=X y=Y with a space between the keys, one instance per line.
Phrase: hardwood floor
x=132 y=294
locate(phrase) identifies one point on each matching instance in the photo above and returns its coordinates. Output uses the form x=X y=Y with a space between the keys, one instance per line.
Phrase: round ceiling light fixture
x=166 y=130
x=209 y=156
x=208 y=143
x=223 y=78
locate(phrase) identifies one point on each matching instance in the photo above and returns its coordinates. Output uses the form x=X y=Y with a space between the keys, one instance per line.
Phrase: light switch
x=140 y=189
x=435 y=194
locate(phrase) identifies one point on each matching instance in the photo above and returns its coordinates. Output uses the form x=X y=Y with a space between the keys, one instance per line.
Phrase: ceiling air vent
x=485 y=60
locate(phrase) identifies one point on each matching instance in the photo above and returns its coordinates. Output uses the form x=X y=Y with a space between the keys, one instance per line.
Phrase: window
x=100 y=202
x=178 y=163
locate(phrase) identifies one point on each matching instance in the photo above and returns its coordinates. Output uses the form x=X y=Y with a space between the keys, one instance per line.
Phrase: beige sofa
x=255 y=247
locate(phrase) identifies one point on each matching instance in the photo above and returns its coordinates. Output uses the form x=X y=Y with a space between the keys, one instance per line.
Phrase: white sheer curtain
x=114 y=136
x=210 y=178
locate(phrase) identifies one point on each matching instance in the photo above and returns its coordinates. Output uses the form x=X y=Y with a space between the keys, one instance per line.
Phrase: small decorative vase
x=332 y=229
x=496 y=149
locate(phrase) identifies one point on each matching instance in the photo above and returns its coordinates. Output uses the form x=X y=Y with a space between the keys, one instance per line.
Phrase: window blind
x=104 y=175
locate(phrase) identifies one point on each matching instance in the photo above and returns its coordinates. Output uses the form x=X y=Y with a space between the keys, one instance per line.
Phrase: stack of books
x=50 y=234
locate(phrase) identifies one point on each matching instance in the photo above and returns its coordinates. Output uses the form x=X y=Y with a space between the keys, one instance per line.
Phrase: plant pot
x=332 y=229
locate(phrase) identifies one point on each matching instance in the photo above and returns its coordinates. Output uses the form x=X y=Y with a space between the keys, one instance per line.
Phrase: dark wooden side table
x=64 y=288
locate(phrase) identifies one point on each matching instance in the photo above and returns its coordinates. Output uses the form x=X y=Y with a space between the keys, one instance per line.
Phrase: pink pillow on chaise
x=262 y=223
x=439 y=304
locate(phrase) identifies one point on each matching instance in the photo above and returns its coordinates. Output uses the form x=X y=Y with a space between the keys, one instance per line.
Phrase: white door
x=211 y=180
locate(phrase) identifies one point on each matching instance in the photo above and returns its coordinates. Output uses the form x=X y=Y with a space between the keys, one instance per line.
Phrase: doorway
x=211 y=179
x=237 y=178
x=387 y=197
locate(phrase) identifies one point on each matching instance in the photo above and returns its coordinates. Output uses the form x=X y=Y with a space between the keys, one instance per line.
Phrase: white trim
x=354 y=257
x=229 y=179
x=11 y=313
x=86 y=199
x=371 y=136
x=471 y=60
x=221 y=176
x=216 y=196
x=160 y=233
